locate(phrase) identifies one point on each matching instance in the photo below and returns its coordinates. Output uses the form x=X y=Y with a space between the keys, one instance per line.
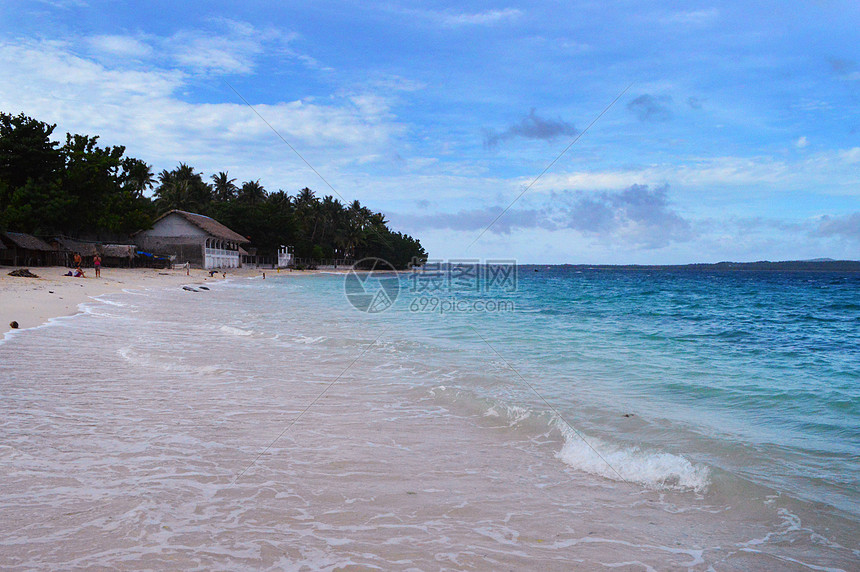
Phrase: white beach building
x=194 y=238
x=285 y=256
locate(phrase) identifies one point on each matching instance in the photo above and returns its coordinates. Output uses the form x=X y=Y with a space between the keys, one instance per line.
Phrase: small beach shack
x=67 y=247
x=117 y=255
x=25 y=250
x=194 y=238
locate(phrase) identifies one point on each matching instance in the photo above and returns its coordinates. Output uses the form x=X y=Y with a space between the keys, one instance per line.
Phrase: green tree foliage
x=76 y=189
x=224 y=187
x=82 y=190
x=182 y=189
x=30 y=165
x=90 y=178
x=252 y=193
x=26 y=154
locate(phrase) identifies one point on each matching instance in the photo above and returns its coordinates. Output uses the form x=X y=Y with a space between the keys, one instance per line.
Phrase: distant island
x=814 y=265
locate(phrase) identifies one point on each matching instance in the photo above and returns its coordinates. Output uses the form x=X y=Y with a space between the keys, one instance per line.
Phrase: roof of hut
x=117 y=250
x=27 y=241
x=207 y=225
x=83 y=248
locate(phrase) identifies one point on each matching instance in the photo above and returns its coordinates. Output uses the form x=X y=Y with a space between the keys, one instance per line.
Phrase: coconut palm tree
x=305 y=198
x=136 y=176
x=224 y=187
x=252 y=193
x=182 y=189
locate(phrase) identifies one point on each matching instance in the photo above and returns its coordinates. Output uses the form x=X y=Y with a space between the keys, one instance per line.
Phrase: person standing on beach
x=97 y=263
x=77 y=260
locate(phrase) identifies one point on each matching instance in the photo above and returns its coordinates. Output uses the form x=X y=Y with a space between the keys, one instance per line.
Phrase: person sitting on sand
x=79 y=273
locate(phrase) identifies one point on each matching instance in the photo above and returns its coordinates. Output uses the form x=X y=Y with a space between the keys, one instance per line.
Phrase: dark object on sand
x=13 y=324
x=23 y=273
x=190 y=289
x=204 y=287
x=628 y=415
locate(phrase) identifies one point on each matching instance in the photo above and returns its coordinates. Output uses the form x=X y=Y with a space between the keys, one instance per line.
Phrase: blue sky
x=738 y=138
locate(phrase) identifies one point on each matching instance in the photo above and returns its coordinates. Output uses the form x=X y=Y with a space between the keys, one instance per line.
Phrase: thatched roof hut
x=85 y=249
x=25 y=250
x=117 y=250
x=27 y=242
x=117 y=254
x=67 y=247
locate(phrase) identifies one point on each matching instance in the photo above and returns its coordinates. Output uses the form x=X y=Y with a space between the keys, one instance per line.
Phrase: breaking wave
x=631 y=464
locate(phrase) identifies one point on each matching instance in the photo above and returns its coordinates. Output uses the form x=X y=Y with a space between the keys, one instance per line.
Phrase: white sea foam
x=109 y=302
x=632 y=464
x=309 y=340
x=235 y=331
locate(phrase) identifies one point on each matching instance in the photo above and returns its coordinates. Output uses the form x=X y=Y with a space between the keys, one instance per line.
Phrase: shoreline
x=155 y=446
x=33 y=302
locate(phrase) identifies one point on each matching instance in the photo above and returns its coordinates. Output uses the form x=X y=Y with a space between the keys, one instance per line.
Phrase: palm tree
x=280 y=199
x=305 y=198
x=308 y=214
x=252 y=193
x=224 y=187
x=378 y=220
x=136 y=176
x=182 y=189
x=330 y=211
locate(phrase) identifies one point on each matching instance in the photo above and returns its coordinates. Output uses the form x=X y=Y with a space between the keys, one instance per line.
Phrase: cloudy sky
x=737 y=138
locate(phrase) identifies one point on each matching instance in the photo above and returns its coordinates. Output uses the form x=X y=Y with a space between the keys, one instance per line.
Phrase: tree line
x=82 y=190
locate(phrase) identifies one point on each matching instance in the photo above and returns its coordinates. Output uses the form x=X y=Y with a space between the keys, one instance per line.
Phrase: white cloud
x=144 y=111
x=230 y=48
x=219 y=55
x=65 y=4
x=488 y=17
x=453 y=19
x=224 y=47
x=850 y=155
x=831 y=171
x=121 y=46
x=801 y=142
x=693 y=17
x=574 y=47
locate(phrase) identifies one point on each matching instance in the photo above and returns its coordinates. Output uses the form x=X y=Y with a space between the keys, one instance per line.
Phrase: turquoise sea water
x=755 y=376
x=580 y=419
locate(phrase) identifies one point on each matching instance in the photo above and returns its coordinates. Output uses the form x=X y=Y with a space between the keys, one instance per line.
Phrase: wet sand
x=33 y=301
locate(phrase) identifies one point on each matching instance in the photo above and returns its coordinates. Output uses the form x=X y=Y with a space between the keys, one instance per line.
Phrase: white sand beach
x=33 y=301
